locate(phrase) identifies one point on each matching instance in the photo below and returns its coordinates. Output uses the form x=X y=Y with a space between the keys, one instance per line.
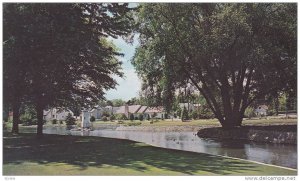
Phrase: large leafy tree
x=233 y=54
x=68 y=59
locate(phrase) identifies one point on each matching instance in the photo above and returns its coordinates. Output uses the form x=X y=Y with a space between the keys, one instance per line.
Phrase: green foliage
x=147 y=117
x=118 y=102
x=105 y=113
x=249 y=113
x=195 y=115
x=133 y=123
x=28 y=116
x=222 y=50
x=70 y=120
x=185 y=114
x=92 y=119
x=104 y=118
x=61 y=122
x=58 y=47
x=112 y=117
x=205 y=112
x=121 y=117
x=141 y=117
x=131 y=117
x=54 y=121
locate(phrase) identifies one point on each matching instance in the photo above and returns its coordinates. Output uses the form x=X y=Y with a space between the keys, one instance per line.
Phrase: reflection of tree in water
x=233 y=148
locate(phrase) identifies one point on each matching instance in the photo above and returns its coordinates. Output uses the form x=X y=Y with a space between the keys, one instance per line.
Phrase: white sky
x=130 y=84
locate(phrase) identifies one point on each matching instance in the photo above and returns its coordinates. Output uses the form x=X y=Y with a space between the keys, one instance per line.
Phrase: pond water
x=275 y=154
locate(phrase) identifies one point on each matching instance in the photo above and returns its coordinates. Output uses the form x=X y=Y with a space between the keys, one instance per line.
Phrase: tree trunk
x=16 y=118
x=39 y=111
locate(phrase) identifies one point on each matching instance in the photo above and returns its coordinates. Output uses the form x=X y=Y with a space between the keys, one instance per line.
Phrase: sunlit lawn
x=69 y=155
x=204 y=122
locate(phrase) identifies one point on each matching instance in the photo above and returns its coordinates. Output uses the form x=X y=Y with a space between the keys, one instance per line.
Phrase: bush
x=28 y=119
x=271 y=112
x=121 y=117
x=249 y=112
x=92 y=119
x=70 y=120
x=104 y=118
x=61 y=122
x=205 y=113
x=141 y=117
x=185 y=114
x=131 y=117
x=194 y=115
x=147 y=117
x=54 y=121
x=112 y=117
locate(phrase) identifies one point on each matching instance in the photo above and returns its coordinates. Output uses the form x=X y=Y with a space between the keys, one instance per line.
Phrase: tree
x=184 y=114
x=70 y=120
x=230 y=52
x=92 y=119
x=118 y=102
x=68 y=59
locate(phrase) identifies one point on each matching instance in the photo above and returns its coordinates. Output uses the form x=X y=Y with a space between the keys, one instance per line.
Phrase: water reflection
x=276 y=154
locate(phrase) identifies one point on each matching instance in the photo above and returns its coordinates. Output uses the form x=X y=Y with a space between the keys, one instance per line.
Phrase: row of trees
x=234 y=54
x=57 y=54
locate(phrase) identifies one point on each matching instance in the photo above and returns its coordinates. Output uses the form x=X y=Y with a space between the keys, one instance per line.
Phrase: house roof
x=142 y=109
x=263 y=106
x=134 y=108
x=155 y=109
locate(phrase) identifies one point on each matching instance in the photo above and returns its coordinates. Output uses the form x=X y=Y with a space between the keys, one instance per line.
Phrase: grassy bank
x=203 y=122
x=70 y=155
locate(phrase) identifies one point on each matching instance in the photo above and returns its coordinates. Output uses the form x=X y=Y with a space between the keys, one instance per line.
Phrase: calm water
x=276 y=154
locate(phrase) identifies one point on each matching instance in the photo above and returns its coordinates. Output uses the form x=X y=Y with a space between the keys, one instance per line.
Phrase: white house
x=57 y=113
x=190 y=106
x=97 y=112
x=85 y=119
x=155 y=112
x=261 y=110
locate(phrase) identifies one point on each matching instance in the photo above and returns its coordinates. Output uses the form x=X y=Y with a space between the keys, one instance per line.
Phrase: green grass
x=203 y=122
x=24 y=154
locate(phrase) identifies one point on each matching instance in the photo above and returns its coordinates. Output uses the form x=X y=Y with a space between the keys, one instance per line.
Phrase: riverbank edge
x=250 y=134
x=212 y=132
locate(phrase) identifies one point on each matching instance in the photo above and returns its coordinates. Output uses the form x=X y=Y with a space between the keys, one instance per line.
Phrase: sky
x=130 y=84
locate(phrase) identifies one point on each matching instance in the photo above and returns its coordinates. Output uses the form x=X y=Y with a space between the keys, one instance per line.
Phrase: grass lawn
x=204 y=122
x=24 y=154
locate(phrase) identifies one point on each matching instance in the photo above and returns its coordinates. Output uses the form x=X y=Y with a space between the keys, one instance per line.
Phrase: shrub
x=104 y=118
x=105 y=113
x=147 y=117
x=249 y=112
x=141 y=117
x=194 y=115
x=70 y=120
x=54 y=121
x=92 y=119
x=185 y=114
x=121 y=117
x=271 y=112
x=131 y=117
x=61 y=122
x=205 y=113
x=27 y=120
x=112 y=117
